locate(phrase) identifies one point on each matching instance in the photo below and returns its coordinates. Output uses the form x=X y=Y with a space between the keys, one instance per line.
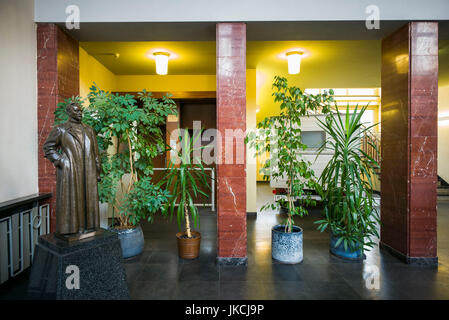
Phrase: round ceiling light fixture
x=294 y=61
x=161 y=62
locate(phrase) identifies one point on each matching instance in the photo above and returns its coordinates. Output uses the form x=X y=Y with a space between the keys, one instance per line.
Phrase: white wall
x=93 y=71
x=18 y=114
x=238 y=10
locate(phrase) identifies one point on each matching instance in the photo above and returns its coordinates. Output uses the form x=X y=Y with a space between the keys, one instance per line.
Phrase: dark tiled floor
x=320 y=276
x=159 y=274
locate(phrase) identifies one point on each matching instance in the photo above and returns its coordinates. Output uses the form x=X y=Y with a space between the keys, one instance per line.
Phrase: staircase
x=442 y=190
x=370 y=141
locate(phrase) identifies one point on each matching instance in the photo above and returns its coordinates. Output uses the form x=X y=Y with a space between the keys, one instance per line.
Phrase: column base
x=421 y=261
x=232 y=261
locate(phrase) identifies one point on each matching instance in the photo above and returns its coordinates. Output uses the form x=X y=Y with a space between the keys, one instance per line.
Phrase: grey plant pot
x=131 y=241
x=286 y=247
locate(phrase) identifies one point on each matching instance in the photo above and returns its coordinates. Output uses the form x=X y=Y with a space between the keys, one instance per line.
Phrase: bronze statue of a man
x=73 y=150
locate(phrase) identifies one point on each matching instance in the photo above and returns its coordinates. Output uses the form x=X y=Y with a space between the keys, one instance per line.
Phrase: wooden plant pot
x=189 y=248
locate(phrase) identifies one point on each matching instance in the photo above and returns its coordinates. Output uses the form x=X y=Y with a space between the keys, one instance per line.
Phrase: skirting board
x=423 y=261
x=231 y=261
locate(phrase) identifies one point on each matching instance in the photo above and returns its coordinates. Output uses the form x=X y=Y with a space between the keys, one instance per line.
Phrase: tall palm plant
x=347 y=182
x=186 y=181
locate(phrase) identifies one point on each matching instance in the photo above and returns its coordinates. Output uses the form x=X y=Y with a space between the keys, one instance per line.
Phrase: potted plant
x=129 y=137
x=186 y=181
x=281 y=136
x=347 y=186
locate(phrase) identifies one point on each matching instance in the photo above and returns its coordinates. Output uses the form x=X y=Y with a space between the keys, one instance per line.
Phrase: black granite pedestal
x=98 y=260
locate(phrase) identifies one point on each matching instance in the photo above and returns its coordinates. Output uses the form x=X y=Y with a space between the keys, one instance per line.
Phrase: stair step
x=443 y=191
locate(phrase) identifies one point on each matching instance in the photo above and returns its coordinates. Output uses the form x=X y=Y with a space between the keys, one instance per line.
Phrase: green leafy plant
x=145 y=197
x=186 y=181
x=281 y=136
x=129 y=138
x=347 y=182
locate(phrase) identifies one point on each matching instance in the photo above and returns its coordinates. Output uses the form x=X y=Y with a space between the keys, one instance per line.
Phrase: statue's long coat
x=76 y=185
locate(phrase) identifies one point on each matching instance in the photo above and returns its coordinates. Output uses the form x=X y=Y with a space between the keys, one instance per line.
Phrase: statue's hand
x=59 y=163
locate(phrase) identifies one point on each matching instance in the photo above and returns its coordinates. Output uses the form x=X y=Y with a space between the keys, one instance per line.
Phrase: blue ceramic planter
x=286 y=247
x=131 y=241
x=340 y=251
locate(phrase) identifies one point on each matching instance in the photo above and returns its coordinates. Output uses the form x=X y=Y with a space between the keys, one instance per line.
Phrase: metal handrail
x=369 y=137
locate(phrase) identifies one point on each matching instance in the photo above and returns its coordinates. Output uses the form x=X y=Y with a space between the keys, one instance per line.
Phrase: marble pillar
x=231 y=115
x=409 y=142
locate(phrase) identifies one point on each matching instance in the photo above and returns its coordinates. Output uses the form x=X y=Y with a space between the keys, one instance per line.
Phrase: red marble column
x=231 y=114
x=409 y=142
x=57 y=79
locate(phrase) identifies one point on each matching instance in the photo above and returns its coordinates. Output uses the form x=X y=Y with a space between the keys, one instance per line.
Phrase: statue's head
x=74 y=111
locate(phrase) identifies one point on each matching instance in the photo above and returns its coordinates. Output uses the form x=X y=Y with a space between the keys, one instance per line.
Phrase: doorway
x=195 y=114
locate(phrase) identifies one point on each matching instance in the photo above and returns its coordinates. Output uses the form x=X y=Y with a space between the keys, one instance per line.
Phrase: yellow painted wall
x=443 y=132
x=251 y=183
x=93 y=71
x=443 y=109
x=266 y=101
x=326 y=64
x=172 y=83
x=260 y=163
